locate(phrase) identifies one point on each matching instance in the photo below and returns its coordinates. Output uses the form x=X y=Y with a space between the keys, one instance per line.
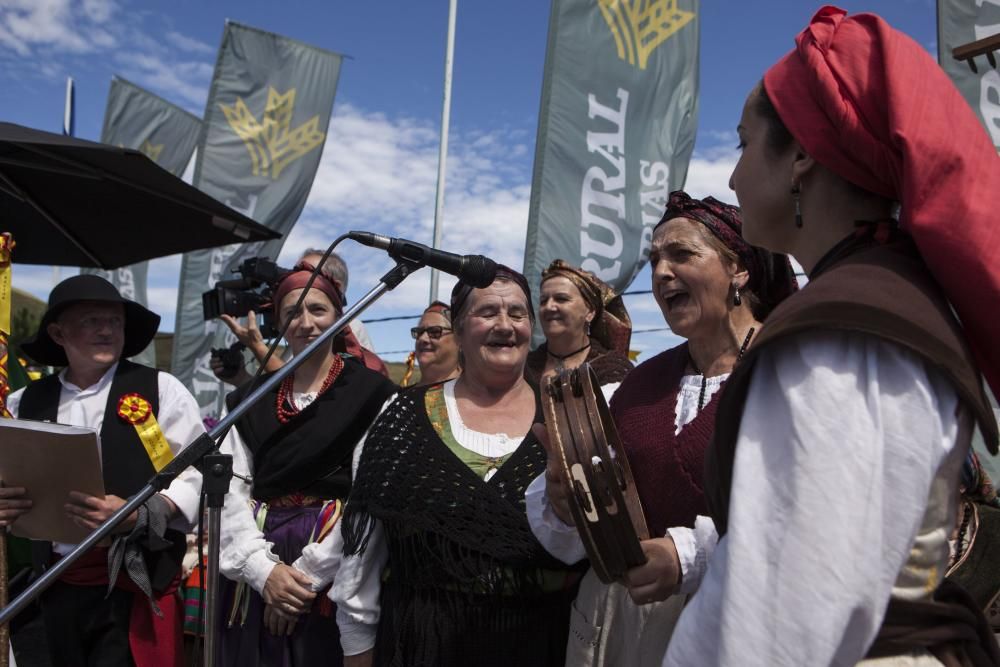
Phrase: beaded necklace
x=704 y=379
x=286 y=408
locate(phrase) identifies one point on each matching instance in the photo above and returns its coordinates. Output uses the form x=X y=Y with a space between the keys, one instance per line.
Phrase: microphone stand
x=217 y=472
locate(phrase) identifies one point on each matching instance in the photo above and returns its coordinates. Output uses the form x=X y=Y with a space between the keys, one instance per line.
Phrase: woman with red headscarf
x=832 y=479
x=292 y=455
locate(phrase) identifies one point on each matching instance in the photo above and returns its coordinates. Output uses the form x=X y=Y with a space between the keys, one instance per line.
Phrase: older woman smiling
x=583 y=321
x=439 y=498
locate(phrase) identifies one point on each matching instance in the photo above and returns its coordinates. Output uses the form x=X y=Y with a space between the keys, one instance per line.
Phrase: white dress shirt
x=178 y=417
x=841 y=439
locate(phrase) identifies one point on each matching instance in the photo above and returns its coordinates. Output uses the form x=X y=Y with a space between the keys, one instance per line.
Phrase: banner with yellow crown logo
x=166 y=134
x=264 y=128
x=959 y=23
x=615 y=132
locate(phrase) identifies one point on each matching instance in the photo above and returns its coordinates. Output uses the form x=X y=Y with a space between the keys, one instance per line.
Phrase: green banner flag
x=265 y=125
x=961 y=22
x=615 y=132
x=166 y=134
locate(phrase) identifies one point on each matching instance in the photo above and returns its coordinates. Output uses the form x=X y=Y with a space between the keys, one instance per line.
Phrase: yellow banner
x=6 y=245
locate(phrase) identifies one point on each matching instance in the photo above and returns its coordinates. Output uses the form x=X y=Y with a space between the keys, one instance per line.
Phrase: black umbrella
x=78 y=203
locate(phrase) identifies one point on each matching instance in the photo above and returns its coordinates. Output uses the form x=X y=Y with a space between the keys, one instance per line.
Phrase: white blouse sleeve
x=244 y=554
x=694 y=550
x=559 y=539
x=358 y=582
x=841 y=438
x=180 y=419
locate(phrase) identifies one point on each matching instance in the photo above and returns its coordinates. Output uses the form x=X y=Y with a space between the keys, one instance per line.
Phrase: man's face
x=92 y=333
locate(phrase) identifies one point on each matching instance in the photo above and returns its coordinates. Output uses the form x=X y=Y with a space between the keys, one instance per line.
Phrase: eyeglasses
x=432 y=332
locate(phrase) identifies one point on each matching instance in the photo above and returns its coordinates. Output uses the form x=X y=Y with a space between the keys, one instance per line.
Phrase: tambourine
x=604 y=500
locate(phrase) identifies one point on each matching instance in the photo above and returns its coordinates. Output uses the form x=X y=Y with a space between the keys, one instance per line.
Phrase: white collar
x=96 y=387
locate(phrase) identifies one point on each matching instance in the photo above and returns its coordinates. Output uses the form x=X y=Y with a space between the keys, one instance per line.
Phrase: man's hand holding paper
x=14 y=502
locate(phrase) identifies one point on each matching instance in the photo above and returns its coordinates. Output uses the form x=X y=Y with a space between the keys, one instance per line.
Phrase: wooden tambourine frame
x=604 y=501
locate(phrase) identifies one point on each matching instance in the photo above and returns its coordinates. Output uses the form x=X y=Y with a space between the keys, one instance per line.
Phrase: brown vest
x=884 y=291
x=887 y=292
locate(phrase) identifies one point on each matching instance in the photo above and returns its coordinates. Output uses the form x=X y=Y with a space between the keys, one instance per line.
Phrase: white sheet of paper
x=49 y=460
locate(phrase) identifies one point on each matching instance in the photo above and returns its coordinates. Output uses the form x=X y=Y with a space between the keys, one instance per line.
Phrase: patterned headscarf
x=612 y=326
x=771 y=276
x=460 y=293
x=872 y=106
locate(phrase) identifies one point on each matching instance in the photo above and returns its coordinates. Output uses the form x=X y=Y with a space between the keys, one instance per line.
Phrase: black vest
x=124 y=461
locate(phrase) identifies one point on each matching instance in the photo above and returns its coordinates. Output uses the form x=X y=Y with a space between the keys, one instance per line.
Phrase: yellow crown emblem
x=151 y=150
x=270 y=142
x=639 y=26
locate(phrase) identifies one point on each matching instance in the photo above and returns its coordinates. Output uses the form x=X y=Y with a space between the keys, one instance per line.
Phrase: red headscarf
x=871 y=105
x=297 y=279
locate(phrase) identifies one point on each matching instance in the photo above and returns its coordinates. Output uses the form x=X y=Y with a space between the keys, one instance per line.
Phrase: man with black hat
x=144 y=417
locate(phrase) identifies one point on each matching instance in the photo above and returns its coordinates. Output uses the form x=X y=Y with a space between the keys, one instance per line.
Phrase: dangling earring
x=737 y=299
x=797 y=195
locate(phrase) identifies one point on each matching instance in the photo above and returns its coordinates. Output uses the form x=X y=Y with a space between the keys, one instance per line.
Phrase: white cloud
x=189 y=44
x=43 y=38
x=708 y=174
x=57 y=25
x=186 y=80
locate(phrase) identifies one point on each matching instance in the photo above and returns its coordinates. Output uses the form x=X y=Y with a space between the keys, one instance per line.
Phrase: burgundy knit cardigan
x=668 y=469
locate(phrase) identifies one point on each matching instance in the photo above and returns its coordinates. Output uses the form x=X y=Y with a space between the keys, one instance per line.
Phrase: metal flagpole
x=443 y=149
x=69 y=130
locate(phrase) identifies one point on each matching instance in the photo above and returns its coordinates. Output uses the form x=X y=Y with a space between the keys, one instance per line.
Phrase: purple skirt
x=315 y=640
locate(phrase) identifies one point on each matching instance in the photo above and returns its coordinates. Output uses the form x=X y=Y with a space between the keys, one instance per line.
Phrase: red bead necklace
x=286 y=408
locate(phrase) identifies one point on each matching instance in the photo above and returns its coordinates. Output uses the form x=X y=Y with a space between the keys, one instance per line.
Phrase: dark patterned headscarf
x=460 y=293
x=612 y=327
x=771 y=276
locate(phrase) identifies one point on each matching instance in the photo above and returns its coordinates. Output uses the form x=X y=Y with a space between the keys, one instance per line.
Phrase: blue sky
x=379 y=164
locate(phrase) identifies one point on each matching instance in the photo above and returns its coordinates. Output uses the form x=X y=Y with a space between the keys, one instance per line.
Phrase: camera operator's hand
x=218 y=366
x=249 y=335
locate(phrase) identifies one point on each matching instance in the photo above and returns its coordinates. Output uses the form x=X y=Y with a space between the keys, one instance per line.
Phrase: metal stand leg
x=217 y=471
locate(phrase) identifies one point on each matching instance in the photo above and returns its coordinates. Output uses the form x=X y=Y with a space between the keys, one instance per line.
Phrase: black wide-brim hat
x=141 y=323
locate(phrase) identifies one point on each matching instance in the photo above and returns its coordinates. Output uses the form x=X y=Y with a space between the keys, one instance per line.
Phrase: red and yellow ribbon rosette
x=138 y=412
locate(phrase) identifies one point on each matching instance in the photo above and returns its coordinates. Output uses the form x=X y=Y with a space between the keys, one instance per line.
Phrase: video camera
x=253 y=289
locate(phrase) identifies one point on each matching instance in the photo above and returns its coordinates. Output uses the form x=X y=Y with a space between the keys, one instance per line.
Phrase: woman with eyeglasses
x=435 y=349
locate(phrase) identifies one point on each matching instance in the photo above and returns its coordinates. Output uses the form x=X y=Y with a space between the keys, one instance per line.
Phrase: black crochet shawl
x=446 y=528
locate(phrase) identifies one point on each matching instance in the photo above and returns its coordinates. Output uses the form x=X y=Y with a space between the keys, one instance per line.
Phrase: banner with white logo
x=265 y=125
x=166 y=134
x=616 y=130
x=959 y=23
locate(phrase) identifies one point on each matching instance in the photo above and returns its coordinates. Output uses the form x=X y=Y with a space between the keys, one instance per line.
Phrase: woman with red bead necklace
x=292 y=455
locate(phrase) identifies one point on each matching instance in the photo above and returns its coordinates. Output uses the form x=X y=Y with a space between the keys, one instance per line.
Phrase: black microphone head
x=478 y=271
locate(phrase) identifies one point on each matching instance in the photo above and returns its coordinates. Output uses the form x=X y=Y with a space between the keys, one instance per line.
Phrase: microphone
x=474 y=270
